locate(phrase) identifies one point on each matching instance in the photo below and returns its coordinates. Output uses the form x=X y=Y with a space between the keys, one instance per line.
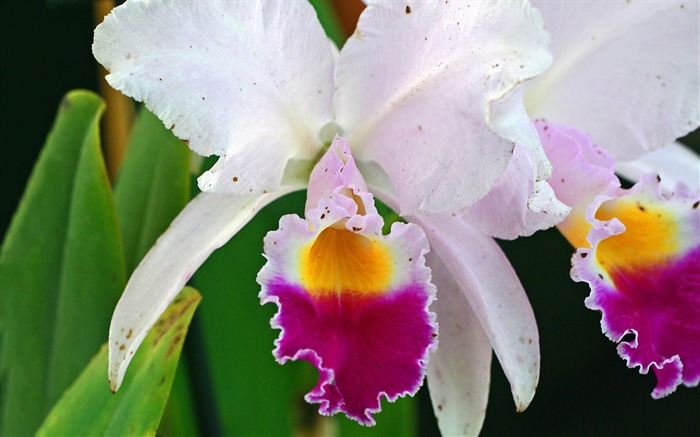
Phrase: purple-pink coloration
x=662 y=308
x=365 y=347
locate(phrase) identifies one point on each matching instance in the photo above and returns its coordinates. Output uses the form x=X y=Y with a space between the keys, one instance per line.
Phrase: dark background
x=585 y=388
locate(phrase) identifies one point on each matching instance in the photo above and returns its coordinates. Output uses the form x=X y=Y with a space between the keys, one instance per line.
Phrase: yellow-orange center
x=340 y=260
x=650 y=235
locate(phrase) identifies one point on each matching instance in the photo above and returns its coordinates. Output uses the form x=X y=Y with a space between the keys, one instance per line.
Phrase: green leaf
x=329 y=20
x=398 y=418
x=255 y=395
x=89 y=408
x=153 y=186
x=62 y=268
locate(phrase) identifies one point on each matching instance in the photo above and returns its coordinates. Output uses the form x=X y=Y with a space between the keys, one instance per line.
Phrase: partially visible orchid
x=625 y=78
x=420 y=103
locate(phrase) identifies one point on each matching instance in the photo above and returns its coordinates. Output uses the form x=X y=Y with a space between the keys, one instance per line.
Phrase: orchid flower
x=417 y=109
x=625 y=78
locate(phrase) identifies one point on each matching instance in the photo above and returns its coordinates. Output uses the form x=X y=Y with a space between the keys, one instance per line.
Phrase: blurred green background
x=585 y=388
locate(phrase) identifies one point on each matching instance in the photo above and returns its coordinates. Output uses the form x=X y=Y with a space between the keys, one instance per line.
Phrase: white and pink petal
x=492 y=288
x=459 y=372
x=517 y=205
x=415 y=86
x=624 y=72
x=673 y=163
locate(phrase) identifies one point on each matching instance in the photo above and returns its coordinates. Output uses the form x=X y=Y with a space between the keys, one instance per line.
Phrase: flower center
x=650 y=235
x=343 y=261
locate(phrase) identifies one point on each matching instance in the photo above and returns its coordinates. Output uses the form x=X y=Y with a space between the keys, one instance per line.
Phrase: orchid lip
x=351 y=301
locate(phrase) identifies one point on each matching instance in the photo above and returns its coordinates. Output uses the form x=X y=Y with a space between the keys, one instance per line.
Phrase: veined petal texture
x=250 y=81
x=415 y=86
x=624 y=72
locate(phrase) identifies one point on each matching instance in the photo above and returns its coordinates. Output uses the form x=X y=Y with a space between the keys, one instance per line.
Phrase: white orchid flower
x=625 y=78
x=420 y=107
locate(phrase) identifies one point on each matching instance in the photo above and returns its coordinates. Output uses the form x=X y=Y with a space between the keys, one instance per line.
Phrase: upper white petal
x=494 y=292
x=415 y=88
x=205 y=224
x=234 y=78
x=625 y=73
x=459 y=372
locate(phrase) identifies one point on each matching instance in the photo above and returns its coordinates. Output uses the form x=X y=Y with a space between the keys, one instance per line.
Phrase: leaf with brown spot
x=88 y=407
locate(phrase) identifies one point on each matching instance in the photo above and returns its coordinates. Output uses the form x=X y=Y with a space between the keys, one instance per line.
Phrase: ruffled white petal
x=415 y=87
x=494 y=292
x=205 y=224
x=626 y=73
x=517 y=205
x=459 y=372
x=250 y=81
x=673 y=163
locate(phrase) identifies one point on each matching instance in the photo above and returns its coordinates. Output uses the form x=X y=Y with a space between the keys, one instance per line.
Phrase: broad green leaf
x=62 y=268
x=152 y=187
x=399 y=418
x=329 y=20
x=90 y=408
x=255 y=395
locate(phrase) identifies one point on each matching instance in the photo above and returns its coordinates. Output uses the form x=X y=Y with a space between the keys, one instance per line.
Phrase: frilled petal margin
x=352 y=302
x=205 y=224
x=518 y=204
x=644 y=272
x=641 y=259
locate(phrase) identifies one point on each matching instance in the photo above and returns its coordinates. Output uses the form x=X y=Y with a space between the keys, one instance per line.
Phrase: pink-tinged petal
x=626 y=73
x=673 y=163
x=335 y=170
x=205 y=224
x=643 y=268
x=249 y=81
x=583 y=176
x=494 y=292
x=416 y=84
x=517 y=205
x=459 y=372
x=352 y=302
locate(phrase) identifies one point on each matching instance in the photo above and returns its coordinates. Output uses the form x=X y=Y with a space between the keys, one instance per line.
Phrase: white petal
x=205 y=224
x=495 y=294
x=626 y=73
x=415 y=84
x=674 y=163
x=459 y=372
x=516 y=205
x=235 y=78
